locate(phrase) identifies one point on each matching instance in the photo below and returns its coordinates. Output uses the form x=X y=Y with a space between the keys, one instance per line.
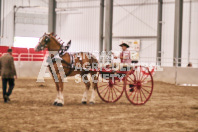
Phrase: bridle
x=47 y=40
x=62 y=48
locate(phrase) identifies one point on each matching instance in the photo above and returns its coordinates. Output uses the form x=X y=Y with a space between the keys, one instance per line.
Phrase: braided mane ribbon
x=64 y=48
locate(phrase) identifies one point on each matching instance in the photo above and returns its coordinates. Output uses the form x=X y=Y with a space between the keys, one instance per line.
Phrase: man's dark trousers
x=11 y=86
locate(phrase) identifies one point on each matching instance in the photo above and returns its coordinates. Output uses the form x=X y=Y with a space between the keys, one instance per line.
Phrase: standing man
x=8 y=74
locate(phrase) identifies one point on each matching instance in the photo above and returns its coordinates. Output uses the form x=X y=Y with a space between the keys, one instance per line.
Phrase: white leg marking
x=84 y=98
x=92 y=100
x=60 y=97
x=57 y=97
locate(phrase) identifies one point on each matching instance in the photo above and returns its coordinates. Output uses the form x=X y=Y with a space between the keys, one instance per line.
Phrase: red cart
x=137 y=83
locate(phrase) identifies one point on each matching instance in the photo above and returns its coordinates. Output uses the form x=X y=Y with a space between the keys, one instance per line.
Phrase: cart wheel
x=110 y=90
x=138 y=85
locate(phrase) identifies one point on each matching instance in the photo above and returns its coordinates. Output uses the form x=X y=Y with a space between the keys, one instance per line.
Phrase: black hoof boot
x=131 y=87
x=59 y=104
x=55 y=103
x=84 y=102
x=91 y=103
x=131 y=90
x=7 y=97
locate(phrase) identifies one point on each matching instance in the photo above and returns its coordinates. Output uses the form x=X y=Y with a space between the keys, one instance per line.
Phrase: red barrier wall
x=24 y=54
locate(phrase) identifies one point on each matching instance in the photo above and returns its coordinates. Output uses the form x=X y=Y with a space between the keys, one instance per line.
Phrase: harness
x=69 y=66
x=60 y=53
x=58 y=56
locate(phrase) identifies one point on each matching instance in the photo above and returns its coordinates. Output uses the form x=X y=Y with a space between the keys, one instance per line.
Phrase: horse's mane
x=58 y=39
x=63 y=45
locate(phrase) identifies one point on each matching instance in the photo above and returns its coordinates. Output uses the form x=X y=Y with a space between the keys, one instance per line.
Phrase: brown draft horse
x=51 y=43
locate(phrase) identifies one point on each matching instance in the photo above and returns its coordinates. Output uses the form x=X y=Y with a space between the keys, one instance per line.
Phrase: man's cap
x=9 y=50
x=124 y=44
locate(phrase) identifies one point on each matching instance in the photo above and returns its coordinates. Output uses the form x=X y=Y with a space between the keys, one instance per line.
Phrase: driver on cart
x=125 y=54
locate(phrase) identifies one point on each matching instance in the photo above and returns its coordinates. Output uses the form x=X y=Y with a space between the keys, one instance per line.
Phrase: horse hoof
x=84 y=102
x=55 y=103
x=59 y=104
x=91 y=103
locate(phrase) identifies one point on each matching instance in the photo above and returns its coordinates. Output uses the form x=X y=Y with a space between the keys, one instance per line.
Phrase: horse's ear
x=68 y=45
x=69 y=42
x=52 y=33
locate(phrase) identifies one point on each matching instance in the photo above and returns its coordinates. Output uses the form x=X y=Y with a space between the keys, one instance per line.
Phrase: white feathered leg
x=94 y=88
x=56 y=100
x=84 y=98
x=93 y=96
x=60 y=99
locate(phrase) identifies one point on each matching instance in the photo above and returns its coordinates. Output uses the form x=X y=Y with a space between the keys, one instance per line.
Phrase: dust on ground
x=170 y=108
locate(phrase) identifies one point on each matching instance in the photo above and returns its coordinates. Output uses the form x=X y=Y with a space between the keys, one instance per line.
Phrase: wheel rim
x=138 y=85
x=110 y=90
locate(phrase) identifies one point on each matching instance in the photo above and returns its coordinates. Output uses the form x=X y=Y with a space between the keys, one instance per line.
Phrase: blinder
x=47 y=39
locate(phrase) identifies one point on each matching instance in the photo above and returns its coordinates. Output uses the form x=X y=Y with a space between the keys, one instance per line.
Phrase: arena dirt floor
x=171 y=108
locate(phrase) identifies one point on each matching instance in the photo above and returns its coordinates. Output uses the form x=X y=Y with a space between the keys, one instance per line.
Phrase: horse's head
x=50 y=42
x=43 y=42
x=47 y=41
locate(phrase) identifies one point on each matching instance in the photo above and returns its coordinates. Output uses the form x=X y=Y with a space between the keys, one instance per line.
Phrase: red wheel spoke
x=140 y=96
x=137 y=97
x=117 y=89
x=144 y=78
x=115 y=92
x=103 y=85
x=134 y=95
x=130 y=94
x=143 y=94
x=106 y=93
x=132 y=79
x=109 y=94
x=145 y=90
x=104 y=89
x=112 y=94
x=128 y=81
